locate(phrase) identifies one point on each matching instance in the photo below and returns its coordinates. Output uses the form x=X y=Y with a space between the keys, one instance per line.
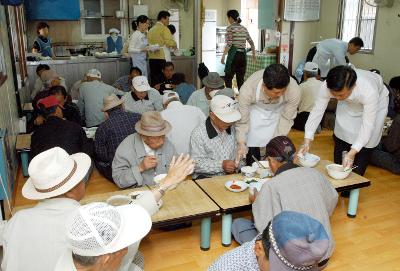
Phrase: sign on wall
x=302 y=10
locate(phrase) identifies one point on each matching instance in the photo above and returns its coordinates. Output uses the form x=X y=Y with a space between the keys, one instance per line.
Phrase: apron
x=230 y=58
x=140 y=59
x=264 y=119
x=349 y=119
x=45 y=48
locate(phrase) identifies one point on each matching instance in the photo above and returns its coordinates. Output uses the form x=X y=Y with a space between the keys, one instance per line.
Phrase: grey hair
x=85 y=261
x=311 y=74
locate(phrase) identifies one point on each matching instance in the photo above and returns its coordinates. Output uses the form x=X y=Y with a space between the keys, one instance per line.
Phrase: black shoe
x=345 y=194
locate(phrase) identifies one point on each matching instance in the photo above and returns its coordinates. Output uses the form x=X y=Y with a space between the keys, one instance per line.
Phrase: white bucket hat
x=98 y=228
x=225 y=108
x=141 y=84
x=54 y=172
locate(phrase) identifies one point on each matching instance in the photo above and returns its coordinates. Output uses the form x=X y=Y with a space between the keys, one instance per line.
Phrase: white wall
x=222 y=7
x=386 y=55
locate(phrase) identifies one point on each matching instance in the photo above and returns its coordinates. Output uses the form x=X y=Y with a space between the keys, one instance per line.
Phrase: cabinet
x=53 y=10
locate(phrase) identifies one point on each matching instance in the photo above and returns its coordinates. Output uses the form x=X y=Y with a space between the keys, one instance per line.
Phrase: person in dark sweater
x=164 y=81
x=387 y=154
x=57 y=132
x=71 y=110
x=118 y=125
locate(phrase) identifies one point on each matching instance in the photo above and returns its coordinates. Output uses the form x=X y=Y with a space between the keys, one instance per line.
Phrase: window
x=358 y=20
x=98 y=16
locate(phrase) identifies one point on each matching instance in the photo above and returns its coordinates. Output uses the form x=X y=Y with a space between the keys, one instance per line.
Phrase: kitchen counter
x=68 y=60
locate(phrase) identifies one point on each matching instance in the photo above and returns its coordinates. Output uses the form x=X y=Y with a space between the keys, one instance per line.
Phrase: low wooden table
x=23 y=147
x=187 y=203
x=230 y=202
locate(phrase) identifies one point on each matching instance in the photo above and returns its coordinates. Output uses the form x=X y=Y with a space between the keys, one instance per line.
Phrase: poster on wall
x=284 y=49
x=302 y=10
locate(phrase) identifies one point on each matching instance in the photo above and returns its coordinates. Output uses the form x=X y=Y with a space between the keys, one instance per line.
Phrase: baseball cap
x=169 y=95
x=141 y=84
x=298 y=242
x=225 y=108
x=280 y=146
x=49 y=101
x=99 y=228
x=311 y=67
x=94 y=73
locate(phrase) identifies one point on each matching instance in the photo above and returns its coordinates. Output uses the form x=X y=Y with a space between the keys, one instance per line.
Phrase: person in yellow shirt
x=159 y=35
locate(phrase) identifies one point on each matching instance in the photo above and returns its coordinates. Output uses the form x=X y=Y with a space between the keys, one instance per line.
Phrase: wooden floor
x=371 y=241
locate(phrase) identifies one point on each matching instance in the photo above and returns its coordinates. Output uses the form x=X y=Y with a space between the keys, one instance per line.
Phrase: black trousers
x=300 y=121
x=253 y=151
x=362 y=157
x=104 y=170
x=156 y=66
x=239 y=68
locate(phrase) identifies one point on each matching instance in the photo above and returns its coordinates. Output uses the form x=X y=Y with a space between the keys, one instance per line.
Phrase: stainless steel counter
x=68 y=60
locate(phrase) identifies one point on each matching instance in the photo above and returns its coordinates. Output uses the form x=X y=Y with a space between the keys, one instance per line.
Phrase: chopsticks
x=258 y=162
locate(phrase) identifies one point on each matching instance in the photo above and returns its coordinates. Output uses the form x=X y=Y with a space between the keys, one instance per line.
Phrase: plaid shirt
x=209 y=148
x=112 y=132
x=240 y=258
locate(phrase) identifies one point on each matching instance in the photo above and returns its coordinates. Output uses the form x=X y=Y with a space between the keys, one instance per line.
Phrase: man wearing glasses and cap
x=292 y=188
x=212 y=144
x=201 y=98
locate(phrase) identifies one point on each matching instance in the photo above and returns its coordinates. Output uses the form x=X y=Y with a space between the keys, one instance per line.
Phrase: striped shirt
x=237 y=35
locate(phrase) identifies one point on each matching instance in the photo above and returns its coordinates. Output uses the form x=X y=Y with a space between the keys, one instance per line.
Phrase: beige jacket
x=247 y=98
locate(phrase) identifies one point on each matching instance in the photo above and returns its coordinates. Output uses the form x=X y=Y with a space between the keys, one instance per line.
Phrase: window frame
x=341 y=22
x=98 y=37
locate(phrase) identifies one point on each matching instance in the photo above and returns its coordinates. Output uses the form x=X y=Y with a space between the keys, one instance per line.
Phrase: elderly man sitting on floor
x=201 y=98
x=212 y=144
x=291 y=241
x=34 y=238
x=143 y=155
x=142 y=97
x=292 y=188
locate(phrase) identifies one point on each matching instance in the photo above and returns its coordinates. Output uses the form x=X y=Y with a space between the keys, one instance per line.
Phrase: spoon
x=345 y=170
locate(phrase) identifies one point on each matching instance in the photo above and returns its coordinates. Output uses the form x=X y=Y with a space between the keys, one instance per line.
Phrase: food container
x=337 y=171
x=248 y=171
x=263 y=172
x=157 y=179
x=309 y=160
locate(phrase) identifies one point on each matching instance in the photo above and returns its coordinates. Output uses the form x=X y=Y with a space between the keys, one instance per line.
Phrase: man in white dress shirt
x=332 y=52
x=183 y=119
x=360 y=115
x=309 y=91
x=34 y=238
x=142 y=98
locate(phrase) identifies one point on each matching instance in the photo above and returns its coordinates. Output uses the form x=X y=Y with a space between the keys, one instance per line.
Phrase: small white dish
x=263 y=172
x=248 y=171
x=309 y=160
x=230 y=186
x=119 y=200
x=337 y=171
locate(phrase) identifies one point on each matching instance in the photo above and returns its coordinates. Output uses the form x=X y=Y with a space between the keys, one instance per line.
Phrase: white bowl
x=263 y=172
x=337 y=172
x=248 y=171
x=243 y=186
x=119 y=200
x=157 y=179
x=309 y=160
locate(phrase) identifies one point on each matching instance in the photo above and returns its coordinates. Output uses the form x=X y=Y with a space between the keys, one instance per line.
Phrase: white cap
x=98 y=228
x=141 y=84
x=113 y=30
x=225 y=108
x=311 y=67
x=94 y=73
x=169 y=95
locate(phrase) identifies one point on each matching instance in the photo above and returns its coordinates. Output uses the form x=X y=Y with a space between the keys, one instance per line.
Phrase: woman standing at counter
x=42 y=43
x=236 y=37
x=138 y=44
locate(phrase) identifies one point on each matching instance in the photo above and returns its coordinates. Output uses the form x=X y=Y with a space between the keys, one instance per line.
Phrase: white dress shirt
x=309 y=92
x=137 y=42
x=359 y=118
x=34 y=238
x=183 y=119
